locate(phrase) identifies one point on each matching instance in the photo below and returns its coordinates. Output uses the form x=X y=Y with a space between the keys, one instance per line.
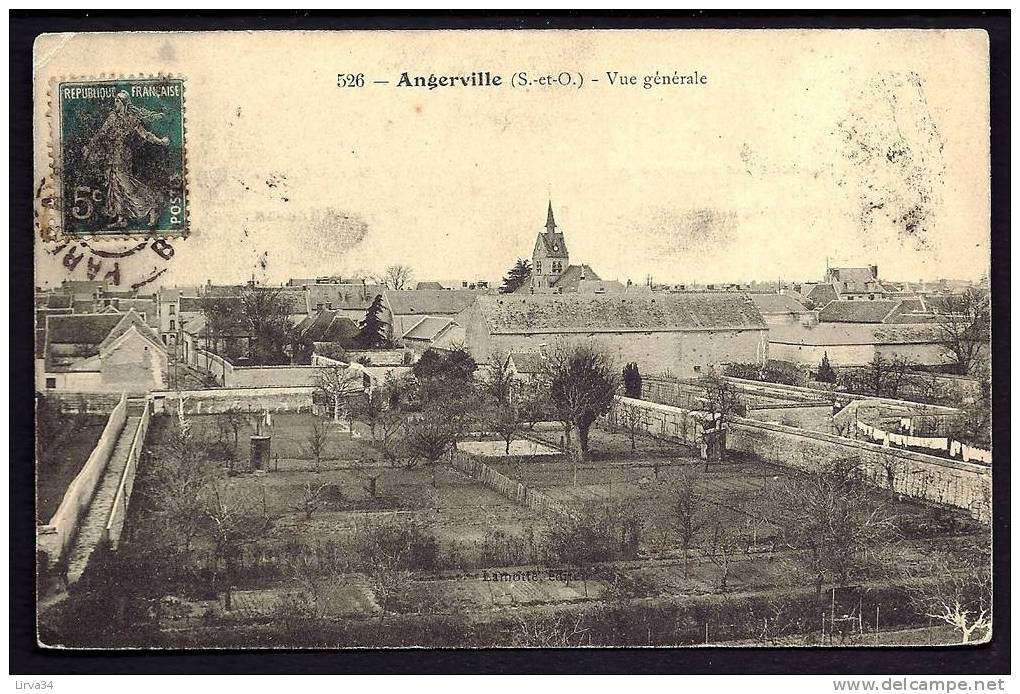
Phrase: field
x=490 y=565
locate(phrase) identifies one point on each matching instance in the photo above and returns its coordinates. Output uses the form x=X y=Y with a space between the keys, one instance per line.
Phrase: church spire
x=550 y=223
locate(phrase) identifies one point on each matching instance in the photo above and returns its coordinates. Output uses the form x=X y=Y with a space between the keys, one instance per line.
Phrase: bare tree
x=312 y=498
x=721 y=547
x=237 y=518
x=831 y=512
x=233 y=420
x=956 y=591
x=316 y=442
x=396 y=277
x=371 y=408
x=430 y=434
x=721 y=397
x=335 y=383
x=964 y=325
x=631 y=418
x=687 y=512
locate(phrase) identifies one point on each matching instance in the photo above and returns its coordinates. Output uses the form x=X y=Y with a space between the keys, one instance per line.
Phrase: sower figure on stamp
x=111 y=150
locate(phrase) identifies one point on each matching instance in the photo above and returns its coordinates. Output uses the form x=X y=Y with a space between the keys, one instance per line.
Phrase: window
x=538 y=267
x=173 y=325
x=557 y=267
x=51 y=383
x=164 y=339
x=173 y=309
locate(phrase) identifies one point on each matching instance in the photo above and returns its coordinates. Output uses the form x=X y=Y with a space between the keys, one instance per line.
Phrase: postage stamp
x=120 y=158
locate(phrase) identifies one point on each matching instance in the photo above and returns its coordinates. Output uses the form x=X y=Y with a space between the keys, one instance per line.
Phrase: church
x=551 y=271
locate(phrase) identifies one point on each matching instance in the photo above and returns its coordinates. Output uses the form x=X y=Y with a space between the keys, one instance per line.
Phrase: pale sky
x=862 y=147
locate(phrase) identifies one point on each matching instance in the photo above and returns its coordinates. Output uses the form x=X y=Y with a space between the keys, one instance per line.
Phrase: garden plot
x=497 y=449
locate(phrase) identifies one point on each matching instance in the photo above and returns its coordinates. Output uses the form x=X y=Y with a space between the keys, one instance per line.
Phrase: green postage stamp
x=121 y=162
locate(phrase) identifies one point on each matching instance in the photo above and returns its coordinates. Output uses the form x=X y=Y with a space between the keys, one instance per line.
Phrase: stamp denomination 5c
x=121 y=158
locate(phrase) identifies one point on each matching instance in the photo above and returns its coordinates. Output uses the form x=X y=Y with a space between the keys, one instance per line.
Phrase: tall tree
x=582 y=385
x=373 y=328
x=632 y=380
x=266 y=313
x=397 y=277
x=826 y=374
x=964 y=326
x=516 y=277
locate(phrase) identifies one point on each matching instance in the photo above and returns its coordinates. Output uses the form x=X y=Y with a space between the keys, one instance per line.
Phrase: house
x=879 y=311
x=434 y=332
x=783 y=309
x=407 y=308
x=855 y=344
x=682 y=334
x=350 y=299
x=100 y=352
x=328 y=326
x=528 y=367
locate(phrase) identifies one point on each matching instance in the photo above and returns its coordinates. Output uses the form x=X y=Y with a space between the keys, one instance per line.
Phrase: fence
x=115 y=522
x=58 y=535
x=515 y=491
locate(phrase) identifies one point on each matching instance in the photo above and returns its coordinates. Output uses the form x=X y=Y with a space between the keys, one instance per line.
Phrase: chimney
x=874 y=271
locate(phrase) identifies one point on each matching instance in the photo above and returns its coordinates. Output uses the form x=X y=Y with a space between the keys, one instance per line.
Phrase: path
x=92 y=526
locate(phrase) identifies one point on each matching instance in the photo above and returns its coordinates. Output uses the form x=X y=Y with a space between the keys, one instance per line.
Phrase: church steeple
x=550 y=223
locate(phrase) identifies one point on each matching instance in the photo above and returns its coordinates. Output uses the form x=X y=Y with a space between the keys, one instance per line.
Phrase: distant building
x=683 y=334
x=855 y=344
x=783 y=309
x=102 y=352
x=434 y=332
x=407 y=308
x=552 y=273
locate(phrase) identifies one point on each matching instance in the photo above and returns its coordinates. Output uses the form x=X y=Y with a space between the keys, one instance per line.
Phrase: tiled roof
x=427 y=302
x=571 y=277
x=777 y=303
x=824 y=334
x=554 y=244
x=345 y=297
x=328 y=326
x=584 y=313
x=428 y=285
x=428 y=328
x=529 y=362
x=852 y=274
x=856 y=311
x=86 y=328
x=822 y=294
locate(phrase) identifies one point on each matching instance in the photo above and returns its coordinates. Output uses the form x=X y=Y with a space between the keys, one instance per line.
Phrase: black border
x=26 y=658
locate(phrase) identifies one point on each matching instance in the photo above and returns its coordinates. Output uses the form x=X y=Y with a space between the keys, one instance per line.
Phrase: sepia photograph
x=530 y=339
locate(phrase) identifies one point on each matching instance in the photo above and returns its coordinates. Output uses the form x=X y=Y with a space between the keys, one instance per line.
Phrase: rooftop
x=559 y=313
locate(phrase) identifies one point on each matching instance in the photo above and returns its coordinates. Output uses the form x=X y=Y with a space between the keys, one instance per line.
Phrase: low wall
x=515 y=491
x=56 y=537
x=118 y=512
x=82 y=403
x=955 y=483
x=802 y=416
x=263 y=376
x=218 y=400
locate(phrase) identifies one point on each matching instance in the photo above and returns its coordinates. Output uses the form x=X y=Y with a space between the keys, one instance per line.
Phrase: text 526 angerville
x=486 y=79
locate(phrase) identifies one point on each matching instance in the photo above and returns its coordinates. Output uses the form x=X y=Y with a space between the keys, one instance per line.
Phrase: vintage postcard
x=489 y=339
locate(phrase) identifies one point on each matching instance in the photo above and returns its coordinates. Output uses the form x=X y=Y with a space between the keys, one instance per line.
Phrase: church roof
x=554 y=245
x=571 y=277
